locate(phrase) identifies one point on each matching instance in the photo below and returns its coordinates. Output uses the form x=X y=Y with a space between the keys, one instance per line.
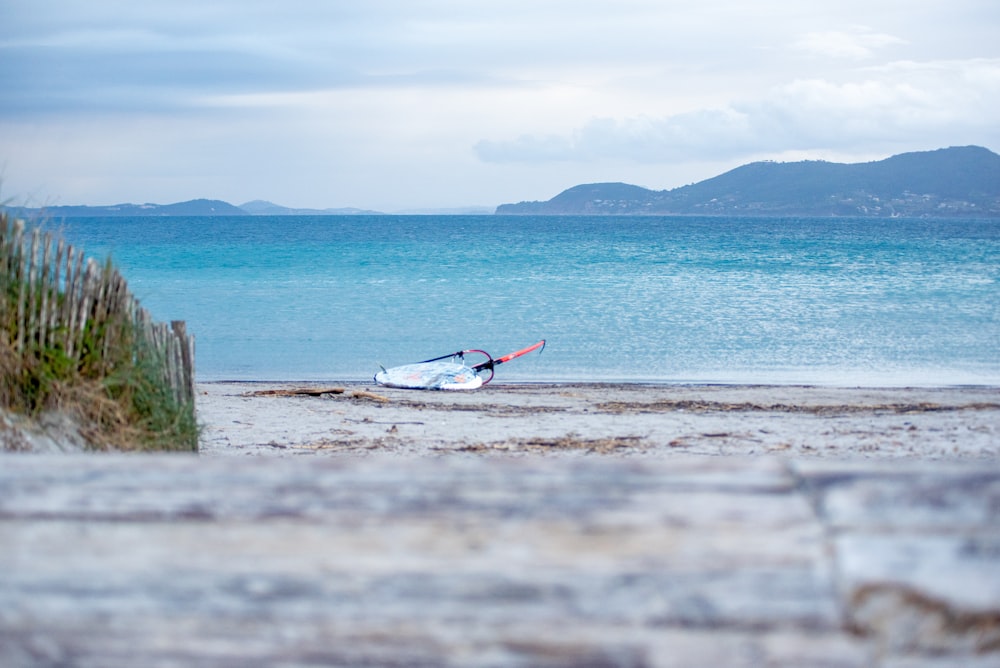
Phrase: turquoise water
x=671 y=299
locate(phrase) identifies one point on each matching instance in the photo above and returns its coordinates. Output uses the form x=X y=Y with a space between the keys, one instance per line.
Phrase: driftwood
x=364 y=394
x=295 y=392
x=316 y=392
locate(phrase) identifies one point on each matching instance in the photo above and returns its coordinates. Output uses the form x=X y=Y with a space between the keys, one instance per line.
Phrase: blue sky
x=399 y=105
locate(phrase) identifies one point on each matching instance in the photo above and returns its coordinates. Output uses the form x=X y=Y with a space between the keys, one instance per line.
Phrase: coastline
x=350 y=418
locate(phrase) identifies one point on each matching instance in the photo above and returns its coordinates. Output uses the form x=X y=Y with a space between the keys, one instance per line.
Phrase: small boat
x=449 y=372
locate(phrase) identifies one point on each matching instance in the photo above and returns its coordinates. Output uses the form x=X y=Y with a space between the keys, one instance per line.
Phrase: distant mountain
x=449 y=211
x=204 y=207
x=263 y=208
x=958 y=181
x=195 y=207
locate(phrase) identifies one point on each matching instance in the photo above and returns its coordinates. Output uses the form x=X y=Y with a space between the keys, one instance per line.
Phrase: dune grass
x=113 y=385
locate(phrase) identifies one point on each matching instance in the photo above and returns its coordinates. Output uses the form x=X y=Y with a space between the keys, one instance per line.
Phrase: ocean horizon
x=651 y=299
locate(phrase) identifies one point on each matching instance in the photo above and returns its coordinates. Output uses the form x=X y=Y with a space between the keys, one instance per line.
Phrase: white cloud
x=389 y=103
x=886 y=106
x=859 y=43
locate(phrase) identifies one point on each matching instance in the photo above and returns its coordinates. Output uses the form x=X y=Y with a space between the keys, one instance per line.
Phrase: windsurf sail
x=449 y=372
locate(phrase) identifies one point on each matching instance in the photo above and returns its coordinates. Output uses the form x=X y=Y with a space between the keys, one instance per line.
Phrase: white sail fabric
x=430 y=376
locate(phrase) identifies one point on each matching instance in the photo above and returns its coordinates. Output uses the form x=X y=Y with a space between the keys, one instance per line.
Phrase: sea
x=661 y=299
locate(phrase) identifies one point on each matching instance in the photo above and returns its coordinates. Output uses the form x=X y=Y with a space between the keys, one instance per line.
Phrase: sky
x=408 y=105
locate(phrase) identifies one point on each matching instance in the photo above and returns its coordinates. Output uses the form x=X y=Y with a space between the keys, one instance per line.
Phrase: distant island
x=950 y=182
x=214 y=207
x=195 y=207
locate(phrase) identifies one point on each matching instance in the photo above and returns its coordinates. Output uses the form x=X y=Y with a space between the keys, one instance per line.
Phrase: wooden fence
x=60 y=300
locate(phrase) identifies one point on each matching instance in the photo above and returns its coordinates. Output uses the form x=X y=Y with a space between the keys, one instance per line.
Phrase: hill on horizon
x=264 y=208
x=195 y=207
x=948 y=182
x=211 y=207
x=957 y=181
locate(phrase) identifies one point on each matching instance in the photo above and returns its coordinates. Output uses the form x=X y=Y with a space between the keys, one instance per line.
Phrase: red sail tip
x=523 y=351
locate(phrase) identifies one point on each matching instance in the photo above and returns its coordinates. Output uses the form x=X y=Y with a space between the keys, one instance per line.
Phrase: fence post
x=19 y=278
x=186 y=350
x=95 y=308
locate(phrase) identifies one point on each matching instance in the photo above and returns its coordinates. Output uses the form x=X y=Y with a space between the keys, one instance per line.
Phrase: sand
x=622 y=420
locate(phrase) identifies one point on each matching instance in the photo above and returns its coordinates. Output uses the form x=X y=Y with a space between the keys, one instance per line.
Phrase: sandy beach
x=624 y=420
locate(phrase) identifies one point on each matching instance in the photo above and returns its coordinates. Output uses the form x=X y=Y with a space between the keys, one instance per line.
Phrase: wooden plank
x=70 y=302
x=185 y=377
x=56 y=290
x=20 y=279
x=918 y=552
x=84 y=305
x=457 y=561
x=32 y=297
x=439 y=551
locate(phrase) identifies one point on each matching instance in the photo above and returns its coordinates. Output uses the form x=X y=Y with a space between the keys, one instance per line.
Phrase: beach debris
x=568 y=442
x=368 y=420
x=365 y=394
x=295 y=392
x=315 y=392
x=704 y=406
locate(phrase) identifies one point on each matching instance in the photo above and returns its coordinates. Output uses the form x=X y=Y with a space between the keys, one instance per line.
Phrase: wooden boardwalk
x=177 y=560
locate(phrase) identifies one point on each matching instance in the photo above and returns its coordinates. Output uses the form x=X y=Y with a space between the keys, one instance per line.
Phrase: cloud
x=54 y=79
x=893 y=104
x=677 y=137
x=857 y=44
x=454 y=101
